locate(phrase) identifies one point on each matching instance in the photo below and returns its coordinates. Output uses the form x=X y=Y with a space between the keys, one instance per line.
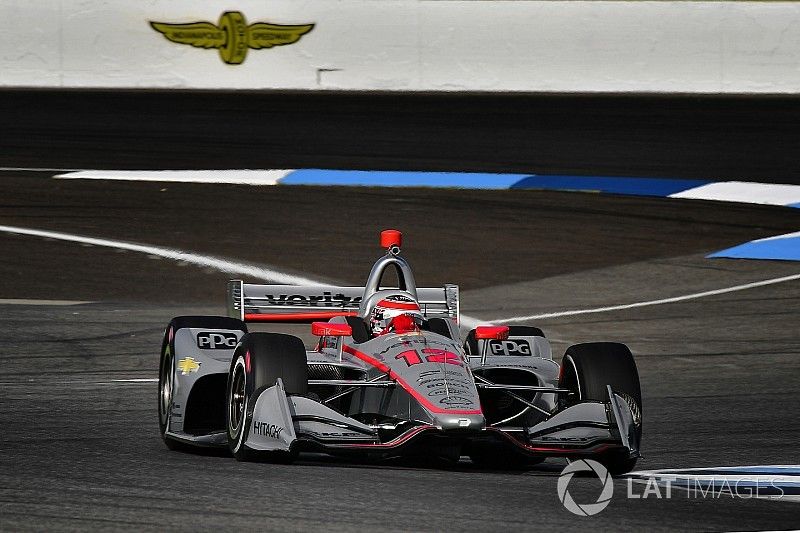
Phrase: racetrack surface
x=80 y=451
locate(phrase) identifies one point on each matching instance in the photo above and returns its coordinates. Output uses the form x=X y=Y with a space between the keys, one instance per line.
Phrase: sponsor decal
x=451 y=401
x=330 y=343
x=208 y=340
x=549 y=438
x=453 y=386
x=400 y=302
x=233 y=37
x=188 y=365
x=510 y=347
x=449 y=390
x=341 y=434
x=326 y=299
x=267 y=430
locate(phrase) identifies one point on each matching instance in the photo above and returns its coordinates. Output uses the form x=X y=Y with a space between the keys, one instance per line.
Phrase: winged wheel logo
x=233 y=37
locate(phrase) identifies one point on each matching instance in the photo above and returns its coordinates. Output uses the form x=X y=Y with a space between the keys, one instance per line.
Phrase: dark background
x=713 y=137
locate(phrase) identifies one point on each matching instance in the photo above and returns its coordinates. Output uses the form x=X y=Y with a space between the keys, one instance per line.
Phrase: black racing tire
x=166 y=367
x=271 y=356
x=471 y=343
x=587 y=369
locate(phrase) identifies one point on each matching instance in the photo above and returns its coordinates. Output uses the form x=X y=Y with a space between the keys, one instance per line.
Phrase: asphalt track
x=80 y=451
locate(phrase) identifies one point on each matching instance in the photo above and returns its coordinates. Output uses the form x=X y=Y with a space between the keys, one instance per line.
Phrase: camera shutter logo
x=585 y=509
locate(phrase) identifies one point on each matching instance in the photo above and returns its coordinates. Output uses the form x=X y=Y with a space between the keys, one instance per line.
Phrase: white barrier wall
x=410 y=45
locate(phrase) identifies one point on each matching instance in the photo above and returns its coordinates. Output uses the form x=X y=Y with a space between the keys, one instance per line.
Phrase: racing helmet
x=395 y=312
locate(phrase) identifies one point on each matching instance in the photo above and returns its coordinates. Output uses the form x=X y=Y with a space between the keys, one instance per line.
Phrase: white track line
x=224 y=265
x=21 y=301
x=235 y=267
x=662 y=301
x=470 y=322
x=35 y=169
x=745 y=469
x=237 y=177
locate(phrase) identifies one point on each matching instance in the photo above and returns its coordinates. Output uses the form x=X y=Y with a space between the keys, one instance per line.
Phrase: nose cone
x=456 y=422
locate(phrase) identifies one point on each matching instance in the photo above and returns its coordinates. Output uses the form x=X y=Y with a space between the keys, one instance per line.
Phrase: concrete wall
x=413 y=45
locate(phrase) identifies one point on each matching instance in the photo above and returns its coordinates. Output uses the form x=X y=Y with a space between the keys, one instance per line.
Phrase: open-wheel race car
x=390 y=376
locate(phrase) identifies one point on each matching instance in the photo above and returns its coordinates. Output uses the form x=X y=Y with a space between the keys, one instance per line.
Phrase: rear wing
x=306 y=303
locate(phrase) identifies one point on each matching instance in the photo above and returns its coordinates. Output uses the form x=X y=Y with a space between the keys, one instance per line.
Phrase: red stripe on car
x=296 y=317
x=398 y=305
x=408 y=388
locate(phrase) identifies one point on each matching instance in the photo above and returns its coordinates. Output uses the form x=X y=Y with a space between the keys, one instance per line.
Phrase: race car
x=389 y=377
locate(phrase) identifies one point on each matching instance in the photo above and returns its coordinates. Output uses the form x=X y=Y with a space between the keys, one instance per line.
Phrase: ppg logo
x=510 y=347
x=216 y=341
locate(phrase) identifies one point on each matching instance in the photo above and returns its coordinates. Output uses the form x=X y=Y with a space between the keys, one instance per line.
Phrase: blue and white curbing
x=783 y=247
x=769 y=481
x=234 y=177
x=726 y=191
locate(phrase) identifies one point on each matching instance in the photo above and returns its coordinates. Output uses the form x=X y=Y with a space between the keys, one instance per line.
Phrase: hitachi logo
x=326 y=299
x=267 y=430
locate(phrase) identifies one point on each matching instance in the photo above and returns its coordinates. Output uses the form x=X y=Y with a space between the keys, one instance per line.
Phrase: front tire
x=166 y=367
x=166 y=381
x=258 y=361
x=587 y=369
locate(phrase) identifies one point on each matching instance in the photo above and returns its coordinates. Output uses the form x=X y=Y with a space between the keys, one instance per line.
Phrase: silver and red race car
x=391 y=377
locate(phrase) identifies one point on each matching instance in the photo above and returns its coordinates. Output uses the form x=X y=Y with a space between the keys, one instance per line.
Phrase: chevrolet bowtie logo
x=233 y=36
x=188 y=365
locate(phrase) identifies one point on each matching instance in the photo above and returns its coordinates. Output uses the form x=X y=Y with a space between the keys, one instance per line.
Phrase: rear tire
x=587 y=369
x=271 y=356
x=166 y=367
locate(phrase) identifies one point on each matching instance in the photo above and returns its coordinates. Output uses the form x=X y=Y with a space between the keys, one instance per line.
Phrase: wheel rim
x=636 y=411
x=236 y=401
x=166 y=385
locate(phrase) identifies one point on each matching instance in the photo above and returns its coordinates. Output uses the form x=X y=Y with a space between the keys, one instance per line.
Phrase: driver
x=395 y=313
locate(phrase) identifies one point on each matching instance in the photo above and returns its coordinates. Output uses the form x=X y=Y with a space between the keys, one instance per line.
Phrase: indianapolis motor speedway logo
x=233 y=37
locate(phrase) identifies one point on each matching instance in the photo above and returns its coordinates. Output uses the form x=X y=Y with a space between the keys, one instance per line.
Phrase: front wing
x=281 y=422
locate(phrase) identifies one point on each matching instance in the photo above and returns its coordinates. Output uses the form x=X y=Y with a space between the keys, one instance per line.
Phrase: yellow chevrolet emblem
x=187 y=364
x=232 y=37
